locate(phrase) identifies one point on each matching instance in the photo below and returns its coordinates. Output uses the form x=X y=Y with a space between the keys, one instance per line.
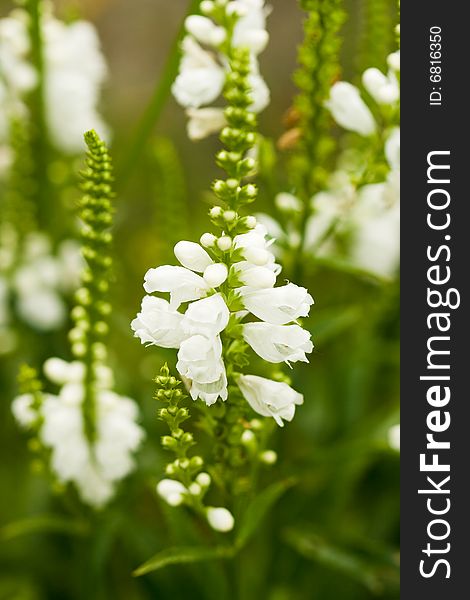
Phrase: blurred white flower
x=349 y=110
x=384 y=89
x=202 y=72
x=74 y=73
x=23 y=411
x=278 y=343
x=375 y=229
x=38 y=279
x=200 y=79
x=250 y=29
x=204 y=121
x=270 y=398
x=204 y=30
x=93 y=467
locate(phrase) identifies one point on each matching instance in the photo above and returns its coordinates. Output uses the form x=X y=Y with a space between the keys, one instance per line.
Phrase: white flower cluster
x=94 y=469
x=17 y=78
x=74 y=73
x=37 y=279
x=368 y=217
x=205 y=284
x=204 y=64
x=349 y=109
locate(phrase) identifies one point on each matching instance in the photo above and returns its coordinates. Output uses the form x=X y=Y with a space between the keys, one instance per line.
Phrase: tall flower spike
x=208 y=49
x=90 y=314
x=231 y=274
x=90 y=430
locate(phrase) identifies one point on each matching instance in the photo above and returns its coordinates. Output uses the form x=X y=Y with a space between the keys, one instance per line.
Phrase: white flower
x=171 y=491
x=375 y=244
x=278 y=343
x=94 y=468
x=279 y=305
x=288 y=202
x=41 y=308
x=183 y=284
x=250 y=29
x=23 y=411
x=199 y=360
x=206 y=317
x=383 y=89
x=204 y=30
x=75 y=72
x=204 y=122
x=192 y=256
x=270 y=398
x=158 y=323
x=220 y=518
x=200 y=80
x=216 y=274
x=349 y=110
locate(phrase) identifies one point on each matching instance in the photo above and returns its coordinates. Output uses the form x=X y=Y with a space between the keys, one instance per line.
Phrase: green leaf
x=375 y=577
x=183 y=555
x=43 y=524
x=258 y=509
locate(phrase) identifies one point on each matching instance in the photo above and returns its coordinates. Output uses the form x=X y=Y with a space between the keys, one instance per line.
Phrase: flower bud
x=215 y=274
x=196 y=462
x=220 y=518
x=195 y=489
x=192 y=256
x=248 y=437
x=224 y=243
x=268 y=457
x=229 y=215
x=250 y=222
x=171 y=491
x=216 y=211
x=206 y=6
x=393 y=60
x=204 y=479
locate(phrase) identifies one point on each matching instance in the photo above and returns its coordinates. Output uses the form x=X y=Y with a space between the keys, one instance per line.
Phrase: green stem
x=155 y=107
x=39 y=142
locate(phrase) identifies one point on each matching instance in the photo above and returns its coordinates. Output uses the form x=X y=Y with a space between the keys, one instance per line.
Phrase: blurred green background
x=333 y=535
